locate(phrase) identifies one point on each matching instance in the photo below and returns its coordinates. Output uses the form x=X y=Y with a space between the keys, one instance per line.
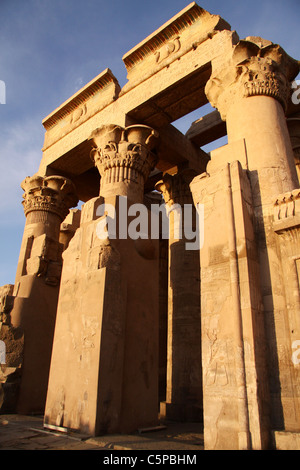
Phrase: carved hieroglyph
x=232 y=329
x=286 y=225
x=250 y=86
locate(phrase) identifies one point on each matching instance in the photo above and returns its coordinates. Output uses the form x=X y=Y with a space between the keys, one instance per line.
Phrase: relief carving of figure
x=167 y=49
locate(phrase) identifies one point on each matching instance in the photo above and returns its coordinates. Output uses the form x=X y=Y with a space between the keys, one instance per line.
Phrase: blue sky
x=51 y=48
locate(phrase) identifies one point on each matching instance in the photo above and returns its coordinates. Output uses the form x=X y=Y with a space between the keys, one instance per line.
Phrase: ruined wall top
x=190 y=60
x=182 y=33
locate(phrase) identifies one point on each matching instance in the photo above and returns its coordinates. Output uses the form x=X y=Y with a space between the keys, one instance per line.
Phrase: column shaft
x=184 y=372
x=46 y=203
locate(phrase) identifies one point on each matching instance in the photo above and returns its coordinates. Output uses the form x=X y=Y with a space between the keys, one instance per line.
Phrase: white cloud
x=20 y=157
x=79 y=83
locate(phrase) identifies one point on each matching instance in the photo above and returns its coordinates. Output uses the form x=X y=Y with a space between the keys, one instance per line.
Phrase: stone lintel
x=90 y=99
x=211 y=127
x=175 y=148
x=207 y=129
x=185 y=31
x=149 y=103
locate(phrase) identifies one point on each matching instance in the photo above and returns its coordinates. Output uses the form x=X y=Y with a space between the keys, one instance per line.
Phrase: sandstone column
x=250 y=87
x=104 y=367
x=46 y=203
x=184 y=378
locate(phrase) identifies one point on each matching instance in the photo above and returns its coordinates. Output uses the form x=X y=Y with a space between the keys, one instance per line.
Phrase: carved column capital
x=254 y=67
x=46 y=203
x=124 y=154
x=176 y=188
x=54 y=194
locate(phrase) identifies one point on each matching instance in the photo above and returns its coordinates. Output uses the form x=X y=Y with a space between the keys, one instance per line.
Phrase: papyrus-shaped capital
x=253 y=67
x=124 y=154
x=54 y=194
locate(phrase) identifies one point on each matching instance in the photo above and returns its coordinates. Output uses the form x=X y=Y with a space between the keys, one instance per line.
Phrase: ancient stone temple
x=172 y=292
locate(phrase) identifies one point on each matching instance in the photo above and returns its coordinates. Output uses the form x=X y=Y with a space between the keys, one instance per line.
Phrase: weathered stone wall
x=228 y=345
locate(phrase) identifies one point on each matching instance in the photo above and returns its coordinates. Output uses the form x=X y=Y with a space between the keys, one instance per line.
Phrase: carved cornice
x=181 y=34
x=54 y=194
x=176 y=189
x=255 y=67
x=81 y=106
x=287 y=205
x=124 y=154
